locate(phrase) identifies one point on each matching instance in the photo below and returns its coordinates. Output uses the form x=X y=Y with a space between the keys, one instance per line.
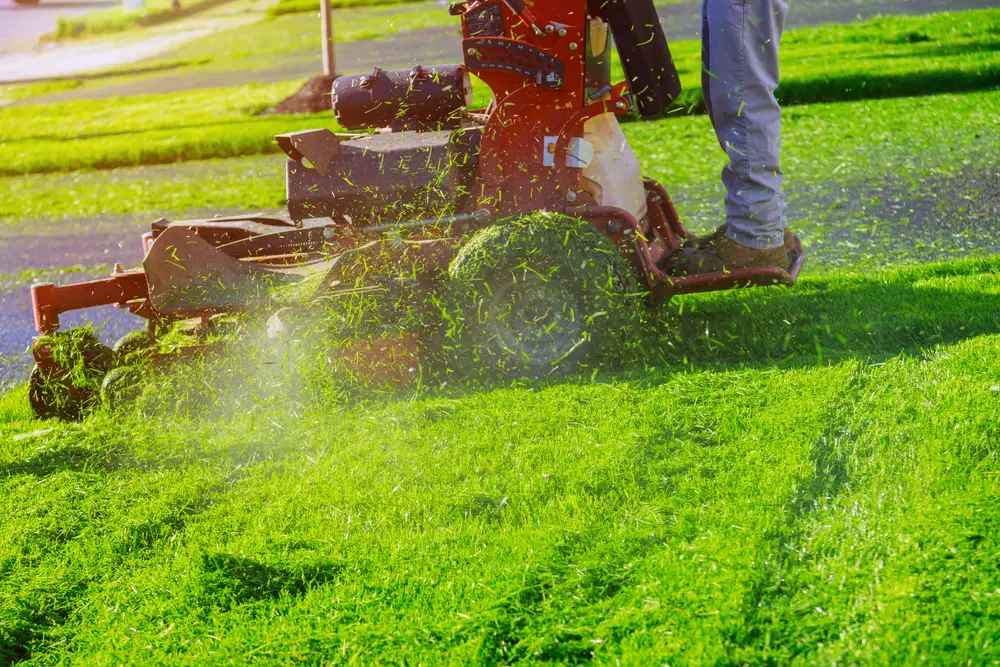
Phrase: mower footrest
x=758 y=276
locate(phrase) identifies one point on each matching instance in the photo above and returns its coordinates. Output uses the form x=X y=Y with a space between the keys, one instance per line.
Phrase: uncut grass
x=150 y=129
x=885 y=57
x=745 y=513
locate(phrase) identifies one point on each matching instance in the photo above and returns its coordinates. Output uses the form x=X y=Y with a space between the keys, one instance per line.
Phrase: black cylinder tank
x=644 y=52
x=418 y=99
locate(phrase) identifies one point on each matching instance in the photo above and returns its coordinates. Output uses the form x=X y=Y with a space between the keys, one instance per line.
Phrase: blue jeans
x=740 y=40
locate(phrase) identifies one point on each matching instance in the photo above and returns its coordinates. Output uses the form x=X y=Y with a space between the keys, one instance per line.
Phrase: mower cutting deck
x=446 y=188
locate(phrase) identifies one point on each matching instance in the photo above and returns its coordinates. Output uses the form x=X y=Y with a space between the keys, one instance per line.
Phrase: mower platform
x=759 y=276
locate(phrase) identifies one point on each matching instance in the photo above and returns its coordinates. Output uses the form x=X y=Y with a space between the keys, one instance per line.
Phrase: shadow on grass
x=65 y=459
x=73 y=458
x=866 y=86
x=870 y=318
x=940 y=51
x=226 y=580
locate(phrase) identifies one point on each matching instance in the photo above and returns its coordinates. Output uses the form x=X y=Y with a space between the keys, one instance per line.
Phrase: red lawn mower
x=536 y=206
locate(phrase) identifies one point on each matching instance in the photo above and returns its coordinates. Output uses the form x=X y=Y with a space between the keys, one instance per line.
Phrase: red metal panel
x=50 y=301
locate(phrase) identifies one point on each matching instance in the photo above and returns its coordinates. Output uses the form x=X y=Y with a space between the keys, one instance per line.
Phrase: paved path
x=22 y=25
x=67 y=61
x=20 y=61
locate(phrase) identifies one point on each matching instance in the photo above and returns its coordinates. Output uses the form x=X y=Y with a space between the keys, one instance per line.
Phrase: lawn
x=823 y=488
x=152 y=129
x=885 y=57
x=772 y=477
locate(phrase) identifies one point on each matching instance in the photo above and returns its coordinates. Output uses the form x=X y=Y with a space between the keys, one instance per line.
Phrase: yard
x=769 y=477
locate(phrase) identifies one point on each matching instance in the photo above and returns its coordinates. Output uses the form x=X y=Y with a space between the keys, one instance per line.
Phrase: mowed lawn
x=804 y=476
x=817 y=483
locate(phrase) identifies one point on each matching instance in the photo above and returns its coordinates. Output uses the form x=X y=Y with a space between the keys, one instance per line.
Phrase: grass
x=888 y=153
x=283 y=7
x=259 y=45
x=889 y=53
x=161 y=11
x=881 y=58
x=134 y=115
x=802 y=476
x=765 y=506
x=152 y=129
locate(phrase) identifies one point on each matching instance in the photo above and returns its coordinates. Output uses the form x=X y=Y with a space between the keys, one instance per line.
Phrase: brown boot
x=702 y=242
x=717 y=252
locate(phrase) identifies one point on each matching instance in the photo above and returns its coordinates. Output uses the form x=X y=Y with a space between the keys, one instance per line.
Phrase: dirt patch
x=313 y=97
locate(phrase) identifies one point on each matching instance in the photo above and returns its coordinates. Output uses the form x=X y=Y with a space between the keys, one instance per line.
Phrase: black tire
x=46 y=399
x=132 y=346
x=121 y=386
x=541 y=296
x=66 y=388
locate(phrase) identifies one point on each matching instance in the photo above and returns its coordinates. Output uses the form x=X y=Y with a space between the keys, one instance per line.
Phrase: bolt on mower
x=529 y=221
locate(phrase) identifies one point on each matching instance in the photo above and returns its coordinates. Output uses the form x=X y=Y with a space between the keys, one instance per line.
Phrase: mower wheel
x=121 y=386
x=46 y=398
x=542 y=295
x=130 y=347
x=66 y=387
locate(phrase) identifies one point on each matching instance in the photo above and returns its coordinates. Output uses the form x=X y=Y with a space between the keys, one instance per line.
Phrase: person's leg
x=740 y=50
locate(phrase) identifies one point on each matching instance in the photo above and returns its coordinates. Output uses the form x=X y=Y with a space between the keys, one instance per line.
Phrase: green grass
x=151 y=129
x=133 y=115
x=881 y=58
x=804 y=476
x=889 y=151
x=259 y=45
x=755 y=505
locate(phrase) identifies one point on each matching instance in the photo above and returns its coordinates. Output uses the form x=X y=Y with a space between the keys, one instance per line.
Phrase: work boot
x=717 y=252
x=702 y=242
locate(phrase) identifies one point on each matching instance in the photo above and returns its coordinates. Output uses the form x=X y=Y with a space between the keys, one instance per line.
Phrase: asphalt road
x=22 y=25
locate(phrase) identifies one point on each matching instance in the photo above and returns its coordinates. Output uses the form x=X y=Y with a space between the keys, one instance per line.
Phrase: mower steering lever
x=524 y=14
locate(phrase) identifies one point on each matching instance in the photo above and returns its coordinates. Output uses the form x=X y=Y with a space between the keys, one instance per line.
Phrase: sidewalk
x=75 y=57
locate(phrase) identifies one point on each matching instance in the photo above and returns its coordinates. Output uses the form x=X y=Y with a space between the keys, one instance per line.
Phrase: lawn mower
x=536 y=206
